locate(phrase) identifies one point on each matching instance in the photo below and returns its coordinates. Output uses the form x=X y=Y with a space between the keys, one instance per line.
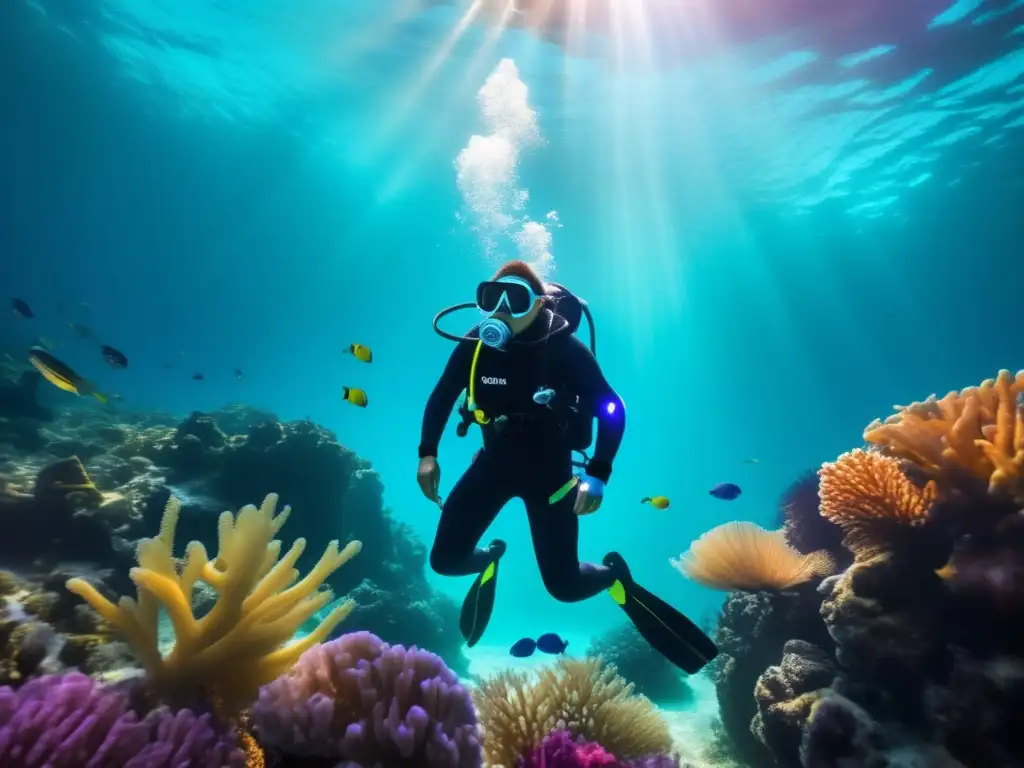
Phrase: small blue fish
x=726 y=491
x=551 y=643
x=524 y=648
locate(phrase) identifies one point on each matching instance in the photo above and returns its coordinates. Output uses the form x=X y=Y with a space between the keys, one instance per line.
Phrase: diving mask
x=510 y=295
x=506 y=295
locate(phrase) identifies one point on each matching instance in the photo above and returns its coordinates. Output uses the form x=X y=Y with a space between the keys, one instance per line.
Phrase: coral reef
x=916 y=654
x=517 y=711
x=211 y=462
x=650 y=673
x=240 y=643
x=333 y=493
x=358 y=699
x=738 y=555
x=72 y=722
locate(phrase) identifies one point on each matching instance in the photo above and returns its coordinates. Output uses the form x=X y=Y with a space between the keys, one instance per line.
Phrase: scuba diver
x=535 y=389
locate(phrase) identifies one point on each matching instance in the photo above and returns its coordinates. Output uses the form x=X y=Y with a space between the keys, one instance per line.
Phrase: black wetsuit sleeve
x=580 y=368
x=442 y=399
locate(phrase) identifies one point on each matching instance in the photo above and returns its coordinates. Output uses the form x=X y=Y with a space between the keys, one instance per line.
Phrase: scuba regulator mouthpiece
x=494 y=332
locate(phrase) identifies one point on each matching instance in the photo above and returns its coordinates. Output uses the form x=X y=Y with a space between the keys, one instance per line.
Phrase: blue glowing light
x=610 y=408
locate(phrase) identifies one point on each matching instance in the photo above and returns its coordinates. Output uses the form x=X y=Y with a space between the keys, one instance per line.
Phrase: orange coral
x=979 y=430
x=253 y=753
x=865 y=493
x=745 y=556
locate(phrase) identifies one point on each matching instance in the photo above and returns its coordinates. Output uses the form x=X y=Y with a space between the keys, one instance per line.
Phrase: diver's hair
x=522 y=270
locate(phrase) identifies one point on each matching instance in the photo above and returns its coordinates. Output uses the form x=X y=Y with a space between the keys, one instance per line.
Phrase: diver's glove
x=589 y=495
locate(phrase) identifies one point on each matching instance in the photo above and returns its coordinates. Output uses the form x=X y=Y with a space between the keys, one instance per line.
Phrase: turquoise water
x=784 y=225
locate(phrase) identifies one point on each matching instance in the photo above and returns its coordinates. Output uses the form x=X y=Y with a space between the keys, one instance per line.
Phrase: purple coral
x=804 y=527
x=357 y=698
x=559 y=750
x=69 y=721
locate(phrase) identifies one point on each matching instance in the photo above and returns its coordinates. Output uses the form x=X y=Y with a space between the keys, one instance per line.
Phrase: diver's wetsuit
x=528 y=457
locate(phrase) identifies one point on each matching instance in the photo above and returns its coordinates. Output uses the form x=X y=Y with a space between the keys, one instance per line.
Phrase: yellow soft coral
x=745 y=556
x=866 y=494
x=979 y=430
x=240 y=644
x=584 y=697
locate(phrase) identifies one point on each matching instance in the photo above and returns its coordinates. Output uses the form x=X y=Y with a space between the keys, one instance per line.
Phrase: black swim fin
x=667 y=630
x=479 y=602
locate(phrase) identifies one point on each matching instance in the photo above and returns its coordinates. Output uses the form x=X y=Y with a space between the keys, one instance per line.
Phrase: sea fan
x=744 y=556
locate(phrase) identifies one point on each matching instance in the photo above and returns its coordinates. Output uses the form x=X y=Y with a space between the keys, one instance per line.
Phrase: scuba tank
x=579 y=423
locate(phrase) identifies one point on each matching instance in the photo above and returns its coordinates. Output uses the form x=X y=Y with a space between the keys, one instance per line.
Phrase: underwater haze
x=785 y=219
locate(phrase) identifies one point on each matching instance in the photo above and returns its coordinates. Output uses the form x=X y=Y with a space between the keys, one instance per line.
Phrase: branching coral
x=239 y=644
x=744 y=556
x=358 y=699
x=582 y=697
x=979 y=430
x=868 y=496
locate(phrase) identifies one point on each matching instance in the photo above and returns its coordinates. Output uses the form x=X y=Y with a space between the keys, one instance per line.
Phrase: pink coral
x=559 y=750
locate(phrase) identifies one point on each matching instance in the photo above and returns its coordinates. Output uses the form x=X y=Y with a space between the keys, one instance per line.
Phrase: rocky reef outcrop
x=753 y=632
x=90 y=482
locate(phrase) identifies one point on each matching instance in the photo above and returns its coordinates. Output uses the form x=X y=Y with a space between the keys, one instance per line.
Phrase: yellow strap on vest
x=480 y=416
